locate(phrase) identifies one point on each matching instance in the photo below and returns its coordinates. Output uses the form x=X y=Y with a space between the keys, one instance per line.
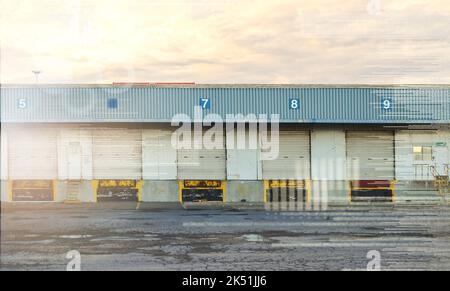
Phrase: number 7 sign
x=205 y=103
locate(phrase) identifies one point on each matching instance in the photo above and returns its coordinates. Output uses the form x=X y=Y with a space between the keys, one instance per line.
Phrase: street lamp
x=36 y=74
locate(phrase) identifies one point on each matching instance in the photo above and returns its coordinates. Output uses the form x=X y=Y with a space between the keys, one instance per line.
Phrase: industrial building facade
x=335 y=144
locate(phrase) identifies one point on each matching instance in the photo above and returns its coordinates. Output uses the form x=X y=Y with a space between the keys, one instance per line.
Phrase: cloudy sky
x=225 y=41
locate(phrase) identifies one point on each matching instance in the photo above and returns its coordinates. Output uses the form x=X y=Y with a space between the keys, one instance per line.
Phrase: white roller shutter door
x=117 y=154
x=202 y=164
x=293 y=161
x=32 y=154
x=370 y=155
x=159 y=155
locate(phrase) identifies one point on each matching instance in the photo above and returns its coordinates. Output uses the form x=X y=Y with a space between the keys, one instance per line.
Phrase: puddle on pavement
x=75 y=236
x=253 y=238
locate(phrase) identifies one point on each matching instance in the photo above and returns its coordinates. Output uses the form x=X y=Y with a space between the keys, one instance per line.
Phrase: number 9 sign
x=386 y=104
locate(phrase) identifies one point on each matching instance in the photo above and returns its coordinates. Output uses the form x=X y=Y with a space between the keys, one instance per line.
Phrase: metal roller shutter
x=293 y=162
x=202 y=164
x=117 y=154
x=370 y=155
x=159 y=155
x=32 y=154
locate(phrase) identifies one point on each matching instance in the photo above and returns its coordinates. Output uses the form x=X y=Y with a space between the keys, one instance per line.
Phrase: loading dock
x=370 y=165
x=118 y=190
x=337 y=138
x=32 y=191
x=287 y=194
x=32 y=164
x=372 y=191
x=202 y=170
x=202 y=191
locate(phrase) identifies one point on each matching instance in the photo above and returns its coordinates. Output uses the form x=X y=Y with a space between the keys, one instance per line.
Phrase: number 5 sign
x=205 y=103
x=22 y=103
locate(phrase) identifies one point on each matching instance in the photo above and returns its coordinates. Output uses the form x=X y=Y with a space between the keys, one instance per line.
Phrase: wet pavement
x=407 y=238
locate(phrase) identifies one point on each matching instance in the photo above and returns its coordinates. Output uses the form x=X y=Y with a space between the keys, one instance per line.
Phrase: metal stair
x=73 y=191
x=441 y=182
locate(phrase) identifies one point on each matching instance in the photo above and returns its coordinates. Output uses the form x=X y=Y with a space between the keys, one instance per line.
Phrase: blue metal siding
x=160 y=104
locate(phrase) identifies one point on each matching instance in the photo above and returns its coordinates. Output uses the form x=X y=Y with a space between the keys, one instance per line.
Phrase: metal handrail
x=421 y=171
x=441 y=182
x=434 y=171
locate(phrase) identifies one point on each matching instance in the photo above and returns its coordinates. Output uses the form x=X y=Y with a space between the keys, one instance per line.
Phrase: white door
x=370 y=155
x=293 y=161
x=74 y=161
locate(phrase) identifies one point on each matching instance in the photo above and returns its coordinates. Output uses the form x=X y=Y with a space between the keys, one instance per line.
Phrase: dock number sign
x=22 y=103
x=294 y=103
x=205 y=103
x=386 y=104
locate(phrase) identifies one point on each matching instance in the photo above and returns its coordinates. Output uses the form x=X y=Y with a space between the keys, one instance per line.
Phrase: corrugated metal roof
x=197 y=85
x=410 y=104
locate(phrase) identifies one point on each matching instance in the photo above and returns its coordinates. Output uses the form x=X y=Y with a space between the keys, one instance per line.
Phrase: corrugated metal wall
x=161 y=104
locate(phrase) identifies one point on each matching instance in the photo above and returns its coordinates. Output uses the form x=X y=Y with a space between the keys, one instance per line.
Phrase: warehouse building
x=305 y=146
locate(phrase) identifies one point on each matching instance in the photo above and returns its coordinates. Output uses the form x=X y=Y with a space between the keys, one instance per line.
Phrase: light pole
x=36 y=74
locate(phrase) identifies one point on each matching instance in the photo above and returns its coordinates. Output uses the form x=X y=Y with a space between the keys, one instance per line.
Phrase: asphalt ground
x=121 y=238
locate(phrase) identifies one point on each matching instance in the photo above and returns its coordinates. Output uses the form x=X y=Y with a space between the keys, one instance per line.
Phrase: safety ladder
x=441 y=182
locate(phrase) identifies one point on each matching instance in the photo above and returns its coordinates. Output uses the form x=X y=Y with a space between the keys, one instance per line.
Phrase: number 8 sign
x=294 y=103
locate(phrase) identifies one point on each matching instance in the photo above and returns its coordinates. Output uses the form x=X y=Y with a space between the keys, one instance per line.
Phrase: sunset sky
x=226 y=41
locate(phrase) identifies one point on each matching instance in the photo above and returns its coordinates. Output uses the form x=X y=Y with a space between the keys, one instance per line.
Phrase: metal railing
x=422 y=172
x=441 y=182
